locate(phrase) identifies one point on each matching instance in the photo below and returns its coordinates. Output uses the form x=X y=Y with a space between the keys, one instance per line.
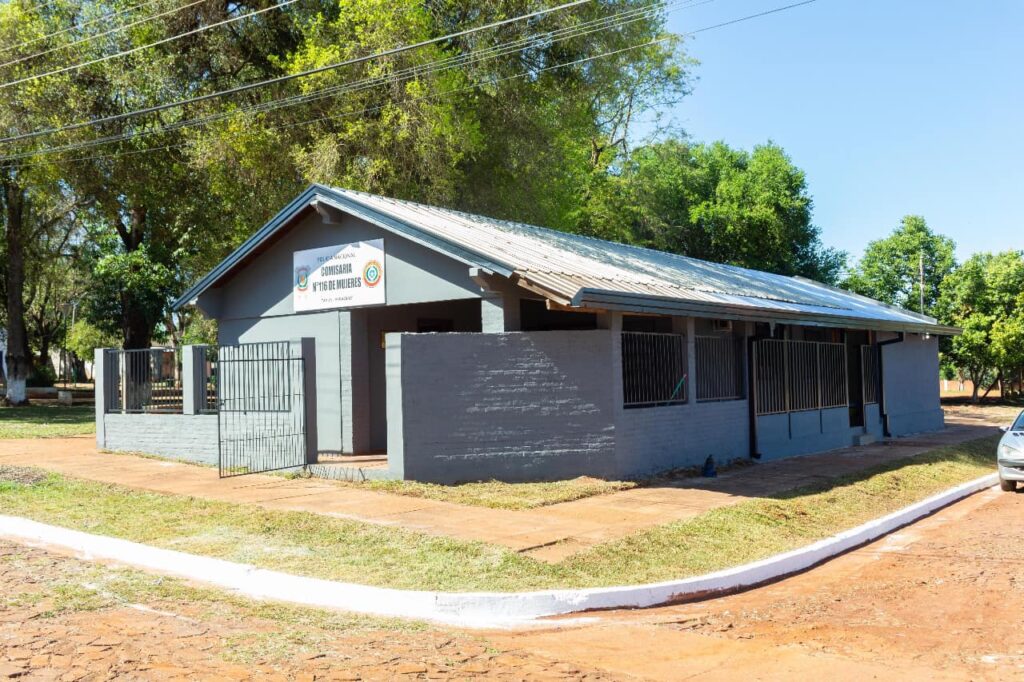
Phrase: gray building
x=461 y=347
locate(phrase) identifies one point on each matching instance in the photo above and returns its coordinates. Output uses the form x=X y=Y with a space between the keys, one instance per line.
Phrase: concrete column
x=691 y=361
x=395 y=412
x=354 y=358
x=305 y=348
x=104 y=379
x=492 y=313
x=193 y=379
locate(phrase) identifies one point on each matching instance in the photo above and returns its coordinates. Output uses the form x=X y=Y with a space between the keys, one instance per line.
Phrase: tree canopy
x=890 y=268
x=716 y=203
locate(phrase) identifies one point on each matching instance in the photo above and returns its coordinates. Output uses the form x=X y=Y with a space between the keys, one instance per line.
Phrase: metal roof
x=582 y=271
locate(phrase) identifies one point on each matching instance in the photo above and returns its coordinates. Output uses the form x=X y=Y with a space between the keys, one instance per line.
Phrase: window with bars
x=653 y=369
x=719 y=368
x=791 y=376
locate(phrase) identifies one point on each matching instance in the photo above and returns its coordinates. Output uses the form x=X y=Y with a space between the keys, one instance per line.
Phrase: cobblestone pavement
x=65 y=619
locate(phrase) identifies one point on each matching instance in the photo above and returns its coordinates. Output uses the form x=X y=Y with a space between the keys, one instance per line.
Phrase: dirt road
x=69 y=620
x=943 y=599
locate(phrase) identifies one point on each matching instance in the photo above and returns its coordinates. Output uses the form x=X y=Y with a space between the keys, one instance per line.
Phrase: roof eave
x=624 y=301
x=326 y=195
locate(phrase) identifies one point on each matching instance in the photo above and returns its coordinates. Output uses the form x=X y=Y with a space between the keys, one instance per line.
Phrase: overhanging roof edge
x=328 y=196
x=625 y=301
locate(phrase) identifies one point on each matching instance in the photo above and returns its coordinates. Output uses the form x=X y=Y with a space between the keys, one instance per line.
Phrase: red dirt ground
x=942 y=599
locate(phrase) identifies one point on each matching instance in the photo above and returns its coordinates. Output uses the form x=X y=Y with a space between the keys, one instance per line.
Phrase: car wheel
x=1007 y=486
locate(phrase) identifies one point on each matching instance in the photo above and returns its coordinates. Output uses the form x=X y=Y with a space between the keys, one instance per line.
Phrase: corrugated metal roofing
x=578 y=269
x=583 y=271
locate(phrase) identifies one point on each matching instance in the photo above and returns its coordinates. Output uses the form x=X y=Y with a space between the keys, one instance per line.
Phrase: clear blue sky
x=890 y=107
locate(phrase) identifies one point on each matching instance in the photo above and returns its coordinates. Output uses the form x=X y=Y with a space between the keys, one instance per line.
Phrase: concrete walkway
x=547 y=533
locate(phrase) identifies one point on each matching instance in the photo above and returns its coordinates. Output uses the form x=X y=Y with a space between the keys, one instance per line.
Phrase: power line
x=288 y=77
x=94 y=36
x=366 y=110
x=104 y=17
x=469 y=87
x=124 y=53
x=408 y=73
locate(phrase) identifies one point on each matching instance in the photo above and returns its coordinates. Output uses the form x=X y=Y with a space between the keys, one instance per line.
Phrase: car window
x=1019 y=424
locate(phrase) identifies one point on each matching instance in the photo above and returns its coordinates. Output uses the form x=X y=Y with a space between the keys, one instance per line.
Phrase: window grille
x=719 y=368
x=790 y=376
x=869 y=367
x=653 y=369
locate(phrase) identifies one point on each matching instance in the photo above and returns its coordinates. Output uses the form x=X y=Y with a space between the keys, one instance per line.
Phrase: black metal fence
x=145 y=381
x=791 y=376
x=719 y=368
x=653 y=369
x=260 y=408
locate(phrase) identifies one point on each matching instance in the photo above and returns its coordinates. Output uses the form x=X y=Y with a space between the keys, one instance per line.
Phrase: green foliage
x=200 y=330
x=84 y=338
x=42 y=375
x=985 y=297
x=715 y=203
x=115 y=275
x=889 y=270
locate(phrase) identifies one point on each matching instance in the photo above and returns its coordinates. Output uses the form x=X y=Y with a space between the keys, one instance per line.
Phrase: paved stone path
x=547 y=533
x=64 y=619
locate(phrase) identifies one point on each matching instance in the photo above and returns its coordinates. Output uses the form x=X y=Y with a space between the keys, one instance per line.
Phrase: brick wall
x=515 y=406
x=185 y=437
x=653 y=439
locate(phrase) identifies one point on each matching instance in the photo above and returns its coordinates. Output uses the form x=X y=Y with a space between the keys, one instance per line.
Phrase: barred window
x=653 y=369
x=791 y=376
x=719 y=368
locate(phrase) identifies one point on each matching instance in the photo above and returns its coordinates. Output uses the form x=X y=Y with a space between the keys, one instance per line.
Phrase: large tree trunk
x=19 y=360
x=137 y=327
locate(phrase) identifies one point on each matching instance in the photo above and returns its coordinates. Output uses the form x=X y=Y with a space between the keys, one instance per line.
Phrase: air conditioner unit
x=721 y=325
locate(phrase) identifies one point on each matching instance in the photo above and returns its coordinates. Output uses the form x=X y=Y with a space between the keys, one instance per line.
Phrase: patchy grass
x=83 y=586
x=341 y=549
x=47 y=421
x=499 y=495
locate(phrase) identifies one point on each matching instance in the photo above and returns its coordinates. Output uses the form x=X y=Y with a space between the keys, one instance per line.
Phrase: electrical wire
x=104 y=17
x=94 y=36
x=288 y=77
x=409 y=73
x=319 y=95
x=162 y=41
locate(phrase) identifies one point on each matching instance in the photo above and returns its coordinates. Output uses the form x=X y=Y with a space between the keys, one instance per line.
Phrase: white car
x=1010 y=455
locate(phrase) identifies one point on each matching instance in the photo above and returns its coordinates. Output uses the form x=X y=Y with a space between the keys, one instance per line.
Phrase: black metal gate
x=261 y=408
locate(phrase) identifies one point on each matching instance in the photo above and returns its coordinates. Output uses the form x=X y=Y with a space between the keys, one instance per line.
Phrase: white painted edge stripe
x=467 y=609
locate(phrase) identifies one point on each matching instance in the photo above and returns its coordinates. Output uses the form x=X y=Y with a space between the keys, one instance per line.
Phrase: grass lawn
x=341 y=549
x=47 y=421
x=499 y=495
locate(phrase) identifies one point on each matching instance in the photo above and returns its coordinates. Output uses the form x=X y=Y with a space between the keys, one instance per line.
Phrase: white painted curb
x=470 y=609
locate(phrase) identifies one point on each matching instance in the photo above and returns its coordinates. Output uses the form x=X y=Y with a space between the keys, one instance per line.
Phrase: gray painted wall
x=910 y=382
x=515 y=406
x=654 y=439
x=805 y=432
x=191 y=438
x=256 y=305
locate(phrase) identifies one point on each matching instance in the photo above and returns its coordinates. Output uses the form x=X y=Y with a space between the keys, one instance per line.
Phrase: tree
x=716 y=203
x=985 y=298
x=890 y=268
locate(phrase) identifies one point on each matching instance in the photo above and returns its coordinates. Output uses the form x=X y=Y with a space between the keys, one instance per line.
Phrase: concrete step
x=865 y=439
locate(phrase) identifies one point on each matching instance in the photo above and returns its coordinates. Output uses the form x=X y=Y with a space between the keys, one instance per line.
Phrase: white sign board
x=344 y=276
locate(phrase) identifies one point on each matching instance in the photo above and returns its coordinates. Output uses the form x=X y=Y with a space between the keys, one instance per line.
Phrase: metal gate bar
x=261 y=409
